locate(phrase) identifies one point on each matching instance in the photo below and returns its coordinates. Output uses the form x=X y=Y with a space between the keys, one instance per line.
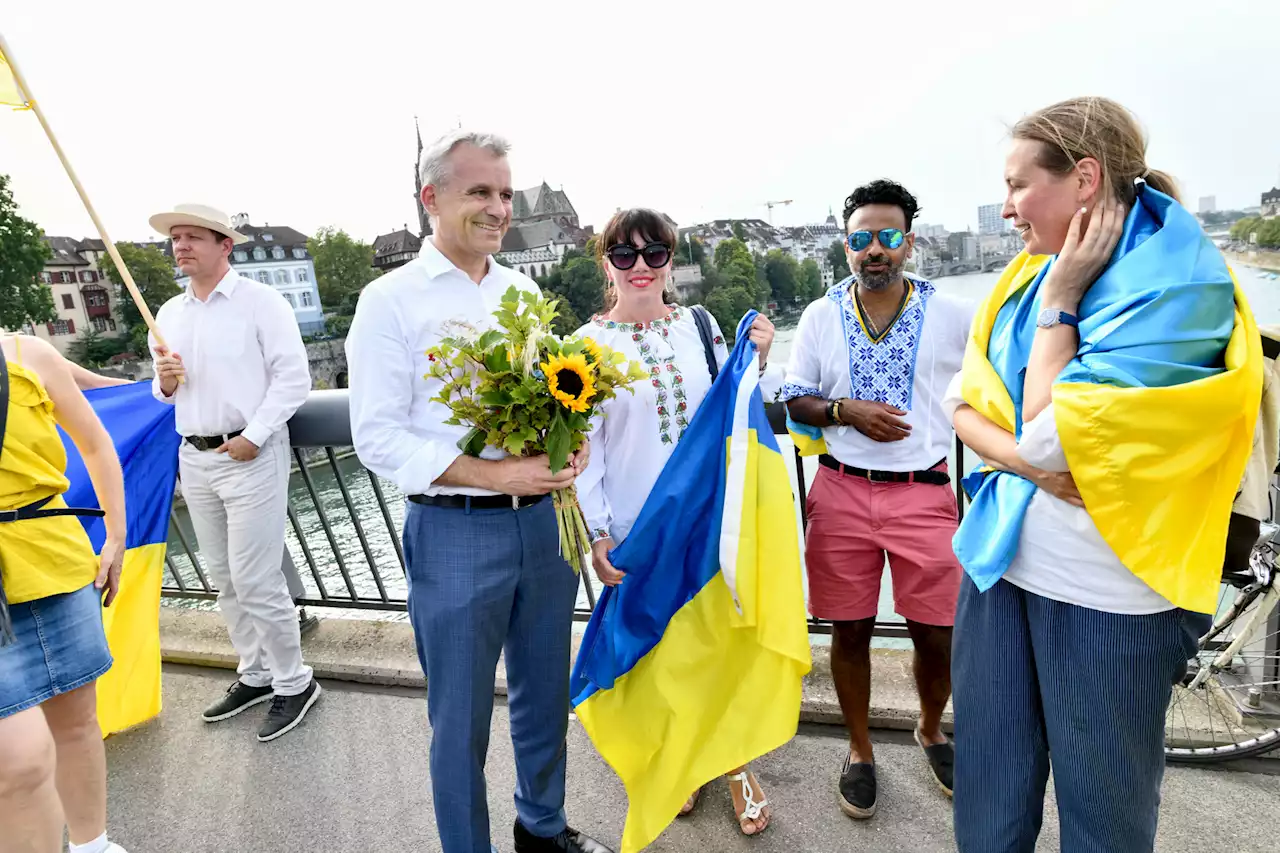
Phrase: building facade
x=395 y=249
x=804 y=242
x=544 y=226
x=82 y=297
x=989 y=219
x=277 y=255
x=1270 y=204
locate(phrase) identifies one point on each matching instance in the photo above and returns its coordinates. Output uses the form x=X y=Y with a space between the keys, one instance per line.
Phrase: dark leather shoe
x=568 y=841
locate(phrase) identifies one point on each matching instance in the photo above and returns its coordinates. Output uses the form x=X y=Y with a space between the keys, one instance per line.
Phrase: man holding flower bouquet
x=481 y=537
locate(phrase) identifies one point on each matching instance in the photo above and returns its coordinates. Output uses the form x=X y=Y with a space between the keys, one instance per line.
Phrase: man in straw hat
x=236 y=370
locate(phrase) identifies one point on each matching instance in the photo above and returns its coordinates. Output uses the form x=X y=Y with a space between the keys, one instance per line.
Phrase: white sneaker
x=115 y=848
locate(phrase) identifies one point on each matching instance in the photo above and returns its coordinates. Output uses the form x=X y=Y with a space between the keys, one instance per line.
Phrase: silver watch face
x=1048 y=317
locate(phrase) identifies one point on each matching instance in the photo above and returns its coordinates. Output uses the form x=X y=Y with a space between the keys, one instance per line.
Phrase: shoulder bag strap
x=703 y=320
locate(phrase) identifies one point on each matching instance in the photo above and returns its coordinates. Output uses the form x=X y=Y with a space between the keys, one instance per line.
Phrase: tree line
x=734 y=279
x=1268 y=231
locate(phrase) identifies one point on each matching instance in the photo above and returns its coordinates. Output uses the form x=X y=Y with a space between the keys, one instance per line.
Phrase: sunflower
x=569 y=380
x=592 y=348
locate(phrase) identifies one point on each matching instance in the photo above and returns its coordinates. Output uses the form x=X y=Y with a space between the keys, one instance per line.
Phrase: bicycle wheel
x=1228 y=705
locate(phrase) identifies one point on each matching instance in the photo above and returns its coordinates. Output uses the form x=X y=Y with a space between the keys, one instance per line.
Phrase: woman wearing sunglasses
x=1111 y=386
x=635 y=434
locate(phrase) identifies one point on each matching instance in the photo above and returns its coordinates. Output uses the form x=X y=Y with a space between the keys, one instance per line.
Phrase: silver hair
x=433 y=166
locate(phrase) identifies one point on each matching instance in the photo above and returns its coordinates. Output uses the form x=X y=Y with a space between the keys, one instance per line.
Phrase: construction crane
x=772 y=204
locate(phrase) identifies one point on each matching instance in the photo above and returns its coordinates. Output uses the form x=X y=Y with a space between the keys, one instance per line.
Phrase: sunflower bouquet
x=523 y=389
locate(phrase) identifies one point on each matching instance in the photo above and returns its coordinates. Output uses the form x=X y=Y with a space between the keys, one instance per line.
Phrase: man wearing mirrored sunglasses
x=870 y=364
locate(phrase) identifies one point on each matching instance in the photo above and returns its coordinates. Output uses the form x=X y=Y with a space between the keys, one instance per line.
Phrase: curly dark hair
x=882 y=192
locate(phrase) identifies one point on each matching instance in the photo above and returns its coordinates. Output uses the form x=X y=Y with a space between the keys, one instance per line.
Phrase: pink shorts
x=854 y=523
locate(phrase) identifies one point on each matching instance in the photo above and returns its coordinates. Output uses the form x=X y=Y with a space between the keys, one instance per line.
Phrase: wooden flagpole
x=34 y=105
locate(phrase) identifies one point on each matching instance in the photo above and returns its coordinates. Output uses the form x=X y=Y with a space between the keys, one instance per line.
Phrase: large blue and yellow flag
x=692 y=666
x=145 y=440
x=1156 y=412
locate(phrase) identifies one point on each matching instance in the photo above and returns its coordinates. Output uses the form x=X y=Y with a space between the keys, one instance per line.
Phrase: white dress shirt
x=633 y=435
x=909 y=369
x=244 y=357
x=1061 y=554
x=399 y=432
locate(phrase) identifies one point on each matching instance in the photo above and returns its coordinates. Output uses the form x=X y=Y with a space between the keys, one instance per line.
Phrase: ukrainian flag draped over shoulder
x=693 y=665
x=1155 y=413
x=143 y=433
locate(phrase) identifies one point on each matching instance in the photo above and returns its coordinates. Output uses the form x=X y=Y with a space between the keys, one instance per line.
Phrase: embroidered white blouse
x=634 y=435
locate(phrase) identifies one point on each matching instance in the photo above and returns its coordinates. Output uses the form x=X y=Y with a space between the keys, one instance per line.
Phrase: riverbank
x=1259 y=260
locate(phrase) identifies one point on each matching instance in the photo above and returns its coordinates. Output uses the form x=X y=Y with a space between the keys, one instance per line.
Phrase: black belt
x=477 y=501
x=210 y=442
x=36 y=510
x=934 y=478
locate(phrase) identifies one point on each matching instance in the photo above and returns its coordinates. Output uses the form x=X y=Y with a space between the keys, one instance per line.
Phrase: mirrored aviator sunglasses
x=623 y=257
x=890 y=238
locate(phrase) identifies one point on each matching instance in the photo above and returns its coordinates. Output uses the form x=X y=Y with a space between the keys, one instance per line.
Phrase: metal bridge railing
x=344 y=524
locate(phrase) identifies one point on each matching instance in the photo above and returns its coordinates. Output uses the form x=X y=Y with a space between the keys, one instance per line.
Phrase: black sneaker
x=568 y=841
x=942 y=761
x=858 y=789
x=287 y=711
x=238 y=697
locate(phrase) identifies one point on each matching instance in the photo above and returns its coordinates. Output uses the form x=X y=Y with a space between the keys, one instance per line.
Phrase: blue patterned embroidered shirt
x=908 y=365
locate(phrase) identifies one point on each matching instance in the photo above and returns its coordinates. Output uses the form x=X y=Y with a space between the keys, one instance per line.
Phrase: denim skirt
x=60 y=646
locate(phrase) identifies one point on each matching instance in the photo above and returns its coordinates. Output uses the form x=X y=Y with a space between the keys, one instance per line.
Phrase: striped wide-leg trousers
x=1040 y=684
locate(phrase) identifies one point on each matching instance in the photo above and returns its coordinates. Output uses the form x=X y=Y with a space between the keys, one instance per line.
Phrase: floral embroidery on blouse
x=664 y=374
x=662 y=324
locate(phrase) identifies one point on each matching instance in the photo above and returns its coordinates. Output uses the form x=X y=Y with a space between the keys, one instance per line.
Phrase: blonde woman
x=1111 y=383
x=52 y=644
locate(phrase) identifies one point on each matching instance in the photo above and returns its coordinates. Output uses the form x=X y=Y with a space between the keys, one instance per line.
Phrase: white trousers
x=238 y=511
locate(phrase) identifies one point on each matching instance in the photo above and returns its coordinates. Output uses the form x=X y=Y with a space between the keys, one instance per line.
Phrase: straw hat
x=199 y=215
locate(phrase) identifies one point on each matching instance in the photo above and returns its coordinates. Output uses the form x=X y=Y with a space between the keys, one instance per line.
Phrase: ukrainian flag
x=693 y=665
x=145 y=440
x=1156 y=412
x=11 y=93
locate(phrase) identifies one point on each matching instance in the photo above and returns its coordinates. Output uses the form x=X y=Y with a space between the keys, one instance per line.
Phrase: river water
x=1263 y=293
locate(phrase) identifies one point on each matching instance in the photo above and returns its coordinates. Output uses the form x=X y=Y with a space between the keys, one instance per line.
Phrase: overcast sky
x=703 y=110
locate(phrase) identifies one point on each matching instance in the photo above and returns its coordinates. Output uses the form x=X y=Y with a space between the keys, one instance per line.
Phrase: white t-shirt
x=633 y=435
x=1061 y=554
x=832 y=356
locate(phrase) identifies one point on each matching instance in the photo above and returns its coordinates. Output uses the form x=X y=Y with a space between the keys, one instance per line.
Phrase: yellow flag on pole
x=11 y=93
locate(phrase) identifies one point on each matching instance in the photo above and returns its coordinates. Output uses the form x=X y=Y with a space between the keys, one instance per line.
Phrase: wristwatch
x=833 y=411
x=1050 y=317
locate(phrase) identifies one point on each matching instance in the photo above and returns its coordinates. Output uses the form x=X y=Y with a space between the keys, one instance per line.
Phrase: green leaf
x=558 y=436
x=495 y=399
x=472 y=443
x=489 y=339
x=496 y=361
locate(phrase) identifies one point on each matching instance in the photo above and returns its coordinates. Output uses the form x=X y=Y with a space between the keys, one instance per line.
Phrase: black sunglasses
x=623 y=257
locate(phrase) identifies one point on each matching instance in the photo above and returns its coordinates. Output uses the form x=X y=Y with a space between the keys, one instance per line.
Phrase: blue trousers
x=482 y=581
x=1034 y=678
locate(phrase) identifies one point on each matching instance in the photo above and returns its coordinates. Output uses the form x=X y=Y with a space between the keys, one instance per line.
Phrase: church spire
x=424 y=221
